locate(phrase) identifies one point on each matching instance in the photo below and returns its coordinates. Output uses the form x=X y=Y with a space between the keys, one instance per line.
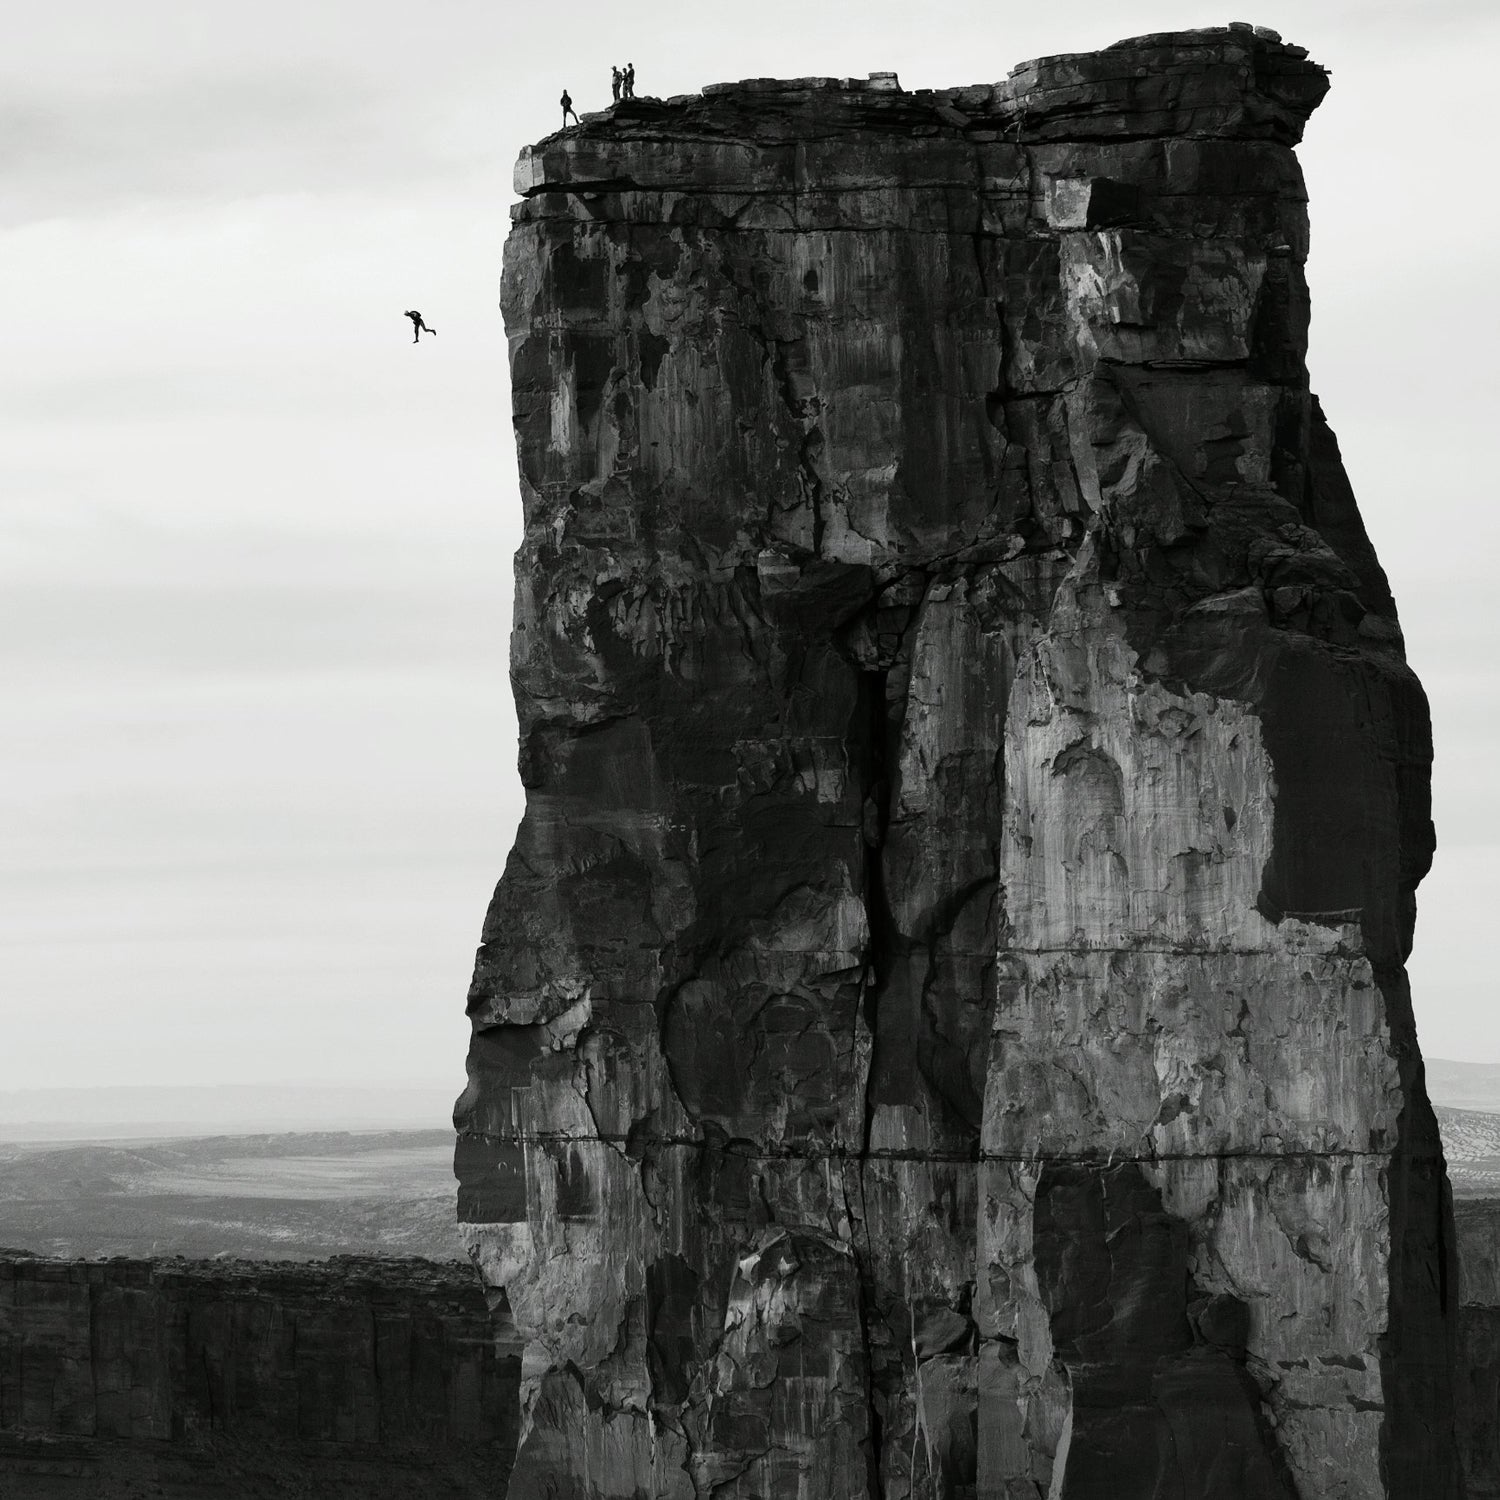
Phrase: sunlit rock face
x=942 y=1030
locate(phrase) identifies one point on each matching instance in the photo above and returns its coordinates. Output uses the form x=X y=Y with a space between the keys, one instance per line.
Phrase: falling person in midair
x=567 y=108
x=418 y=327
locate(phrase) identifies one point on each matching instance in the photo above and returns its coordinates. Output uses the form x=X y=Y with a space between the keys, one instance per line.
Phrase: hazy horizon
x=40 y=1116
x=258 y=750
x=133 y=1111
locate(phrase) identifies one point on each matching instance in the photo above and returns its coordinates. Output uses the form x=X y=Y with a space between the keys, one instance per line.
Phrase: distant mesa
x=360 y=1379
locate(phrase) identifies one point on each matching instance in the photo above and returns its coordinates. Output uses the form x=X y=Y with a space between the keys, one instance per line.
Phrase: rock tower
x=942 y=1030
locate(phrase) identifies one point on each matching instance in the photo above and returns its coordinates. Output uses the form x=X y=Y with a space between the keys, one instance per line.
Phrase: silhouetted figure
x=629 y=80
x=616 y=79
x=567 y=106
x=418 y=327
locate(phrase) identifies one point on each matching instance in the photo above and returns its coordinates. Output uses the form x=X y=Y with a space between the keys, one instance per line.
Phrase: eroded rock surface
x=1478 y=1394
x=243 y=1380
x=942 y=1030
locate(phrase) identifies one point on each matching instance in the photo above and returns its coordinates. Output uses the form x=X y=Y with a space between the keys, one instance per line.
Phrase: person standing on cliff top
x=418 y=327
x=616 y=79
x=567 y=109
x=629 y=80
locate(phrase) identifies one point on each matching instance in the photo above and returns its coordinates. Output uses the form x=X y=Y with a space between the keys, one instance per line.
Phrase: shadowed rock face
x=942 y=1030
x=243 y=1380
x=1478 y=1382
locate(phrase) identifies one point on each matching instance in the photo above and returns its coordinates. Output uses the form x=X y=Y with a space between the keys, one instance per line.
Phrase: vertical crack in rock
x=868 y=747
x=943 y=1029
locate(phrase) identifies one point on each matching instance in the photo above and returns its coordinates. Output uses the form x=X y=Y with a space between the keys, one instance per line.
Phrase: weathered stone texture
x=371 y=1378
x=942 y=1030
x=1478 y=1393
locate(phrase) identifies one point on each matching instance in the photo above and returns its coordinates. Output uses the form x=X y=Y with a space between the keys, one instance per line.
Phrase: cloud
x=255 y=547
x=216 y=135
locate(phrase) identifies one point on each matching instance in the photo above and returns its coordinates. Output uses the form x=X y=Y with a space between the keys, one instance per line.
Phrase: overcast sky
x=256 y=745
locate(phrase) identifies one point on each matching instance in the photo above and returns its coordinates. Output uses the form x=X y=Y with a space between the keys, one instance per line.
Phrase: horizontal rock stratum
x=353 y=1379
x=943 y=1030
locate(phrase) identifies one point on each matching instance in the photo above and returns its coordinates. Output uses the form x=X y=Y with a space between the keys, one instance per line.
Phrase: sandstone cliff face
x=229 y=1379
x=1478 y=1372
x=942 y=1030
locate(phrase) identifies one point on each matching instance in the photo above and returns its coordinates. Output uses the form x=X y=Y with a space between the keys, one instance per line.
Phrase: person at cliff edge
x=567 y=108
x=418 y=327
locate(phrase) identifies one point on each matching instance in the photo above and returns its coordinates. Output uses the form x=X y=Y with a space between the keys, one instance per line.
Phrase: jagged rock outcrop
x=942 y=1030
x=354 y=1377
x=1478 y=1384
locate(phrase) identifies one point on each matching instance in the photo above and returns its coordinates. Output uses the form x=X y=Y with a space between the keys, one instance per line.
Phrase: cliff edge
x=353 y=1379
x=943 y=1028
